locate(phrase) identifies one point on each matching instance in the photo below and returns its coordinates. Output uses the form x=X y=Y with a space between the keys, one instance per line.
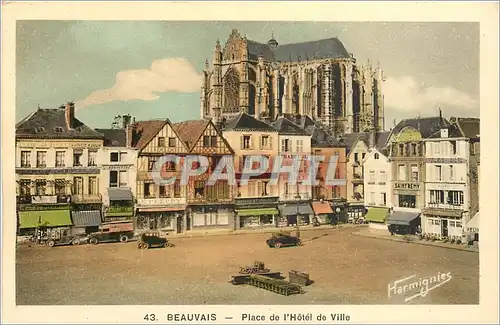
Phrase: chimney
x=126 y=121
x=70 y=115
x=372 y=138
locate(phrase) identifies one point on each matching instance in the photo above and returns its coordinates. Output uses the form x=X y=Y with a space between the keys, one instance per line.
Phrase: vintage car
x=67 y=240
x=113 y=232
x=150 y=240
x=283 y=240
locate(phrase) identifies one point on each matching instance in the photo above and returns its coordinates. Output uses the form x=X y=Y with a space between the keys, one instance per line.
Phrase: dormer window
x=58 y=129
x=115 y=143
x=39 y=129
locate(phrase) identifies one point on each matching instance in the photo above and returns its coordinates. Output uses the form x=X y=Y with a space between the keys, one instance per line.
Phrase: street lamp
x=297 y=198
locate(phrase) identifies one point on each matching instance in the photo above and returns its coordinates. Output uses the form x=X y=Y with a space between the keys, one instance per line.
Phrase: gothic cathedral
x=317 y=78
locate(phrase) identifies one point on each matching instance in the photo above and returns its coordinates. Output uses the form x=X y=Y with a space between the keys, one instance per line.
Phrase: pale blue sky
x=427 y=64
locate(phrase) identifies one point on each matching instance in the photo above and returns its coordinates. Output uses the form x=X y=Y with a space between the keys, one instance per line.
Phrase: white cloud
x=404 y=96
x=165 y=75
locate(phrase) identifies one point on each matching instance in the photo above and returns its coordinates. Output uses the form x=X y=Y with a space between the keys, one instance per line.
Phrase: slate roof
x=427 y=126
x=114 y=137
x=287 y=127
x=319 y=49
x=190 y=131
x=453 y=132
x=381 y=139
x=304 y=121
x=245 y=122
x=43 y=122
x=142 y=132
x=470 y=127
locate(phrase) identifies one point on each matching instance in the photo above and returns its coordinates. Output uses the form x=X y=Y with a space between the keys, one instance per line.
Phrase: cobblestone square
x=346 y=269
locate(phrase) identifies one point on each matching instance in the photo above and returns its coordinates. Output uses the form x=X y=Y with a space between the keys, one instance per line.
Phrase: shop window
x=407 y=201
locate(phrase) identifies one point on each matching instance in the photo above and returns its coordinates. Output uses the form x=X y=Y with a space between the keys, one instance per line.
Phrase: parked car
x=110 y=237
x=113 y=232
x=150 y=240
x=283 y=240
x=67 y=240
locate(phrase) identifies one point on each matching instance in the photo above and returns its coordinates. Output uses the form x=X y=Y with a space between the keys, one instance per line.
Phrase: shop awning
x=46 y=218
x=86 y=218
x=120 y=194
x=376 y=214
x=322 y=208
x=257 y=212
x=402 y=218
x=291 y=209
x=474 y=222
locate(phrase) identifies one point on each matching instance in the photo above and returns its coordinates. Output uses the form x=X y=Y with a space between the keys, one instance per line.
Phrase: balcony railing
x=291 y=197
x=43 y=199
x=86 y=198
x=119 y=211
x=444 y=206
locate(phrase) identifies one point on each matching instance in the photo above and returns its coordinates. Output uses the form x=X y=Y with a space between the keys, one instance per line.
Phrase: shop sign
x=162 y=201
x=407 y=186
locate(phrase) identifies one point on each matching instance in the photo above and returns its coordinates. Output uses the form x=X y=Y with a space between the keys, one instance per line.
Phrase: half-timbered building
x=210 y=206
x=159 y=206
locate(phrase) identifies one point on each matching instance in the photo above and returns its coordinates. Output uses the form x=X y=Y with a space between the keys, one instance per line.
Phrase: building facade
x=209 y=206
x=294 y=148
x=319 y=79
x=357 y=151
x=57 y=171
x=118 y=174
x=378 y=182
x=256 y=202
x=159 y=207
x=451 y=187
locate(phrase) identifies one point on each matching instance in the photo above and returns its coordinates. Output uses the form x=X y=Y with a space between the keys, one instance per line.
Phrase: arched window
x=377 y=156
x=231 y=91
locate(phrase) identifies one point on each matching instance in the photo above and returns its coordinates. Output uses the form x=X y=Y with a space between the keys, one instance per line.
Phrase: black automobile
x=278 y=241
x=67 y=240
x=110 y=237
x=152 y=240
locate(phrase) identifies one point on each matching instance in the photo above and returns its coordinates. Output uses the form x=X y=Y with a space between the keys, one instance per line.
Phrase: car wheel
x=146 y=245
x=123 y=238
x=76 y=241
x=51 y=243
x=299 y=242
x=277 y=245
x=93 y=241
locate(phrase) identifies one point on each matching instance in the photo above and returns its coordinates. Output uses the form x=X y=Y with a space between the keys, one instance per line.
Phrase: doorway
x=180 y=224
x=444 y=227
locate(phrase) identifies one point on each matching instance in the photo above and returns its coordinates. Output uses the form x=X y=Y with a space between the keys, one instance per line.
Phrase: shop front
x=443 y=223
x=160 y=214
x=403 y=222
x=120 y=206
x=40 y=219
x=376 y=218
x=323 y=213
x=252 y=213
x=86 y=221
x=293 y=214
x=210 y=217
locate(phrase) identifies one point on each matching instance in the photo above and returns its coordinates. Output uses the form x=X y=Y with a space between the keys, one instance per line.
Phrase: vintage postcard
x=249 y=162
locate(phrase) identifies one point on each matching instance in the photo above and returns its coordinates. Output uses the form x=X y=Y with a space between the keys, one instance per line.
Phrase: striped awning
x=86 y=218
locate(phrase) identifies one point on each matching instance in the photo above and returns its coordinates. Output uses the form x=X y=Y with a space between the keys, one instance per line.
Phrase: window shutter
x=241 y=142
x=271 y=142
